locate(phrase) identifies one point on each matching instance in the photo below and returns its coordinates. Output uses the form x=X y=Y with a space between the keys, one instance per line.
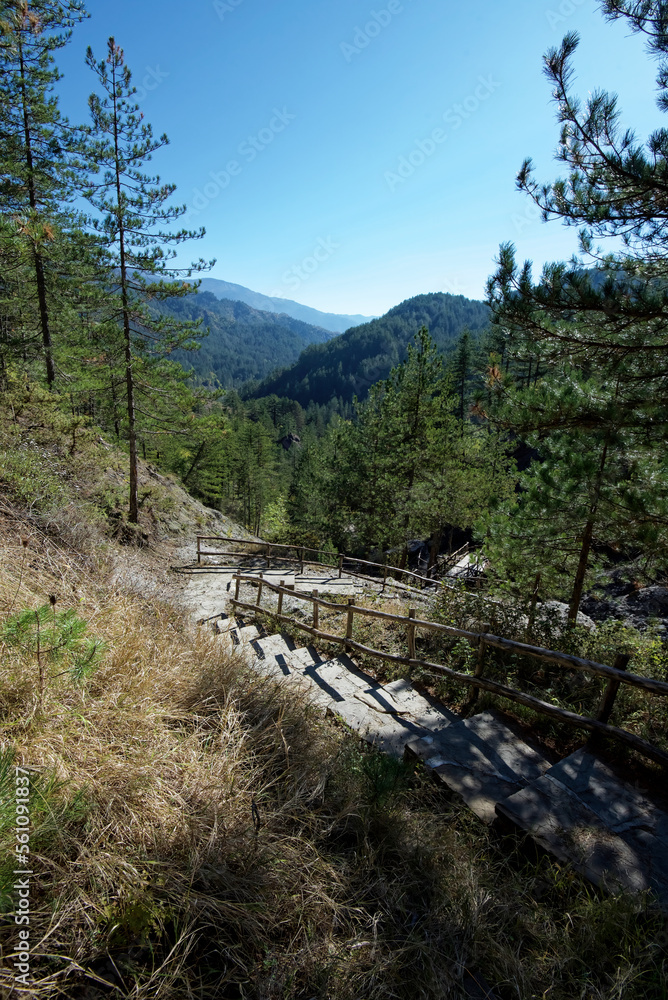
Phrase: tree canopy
x=585 y=379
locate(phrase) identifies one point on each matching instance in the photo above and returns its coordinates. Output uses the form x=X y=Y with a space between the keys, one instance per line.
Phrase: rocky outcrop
x=638 y=607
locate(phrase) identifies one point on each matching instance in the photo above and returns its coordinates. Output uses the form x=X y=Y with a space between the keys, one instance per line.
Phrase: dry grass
x=201 y=832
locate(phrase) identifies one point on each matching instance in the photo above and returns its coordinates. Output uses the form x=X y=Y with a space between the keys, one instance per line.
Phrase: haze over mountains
x=333 y=322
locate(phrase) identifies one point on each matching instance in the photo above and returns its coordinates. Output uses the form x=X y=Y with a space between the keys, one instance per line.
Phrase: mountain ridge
x=347 y=365
x=243 y=343
x=334 y=322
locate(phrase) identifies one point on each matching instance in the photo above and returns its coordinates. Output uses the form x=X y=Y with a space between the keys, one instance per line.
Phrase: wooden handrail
x=476 y=681
x=383 y=568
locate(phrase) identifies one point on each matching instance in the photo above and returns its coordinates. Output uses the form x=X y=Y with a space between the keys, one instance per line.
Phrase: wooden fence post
x=280 y=599
x=351 y=615
x=479 y=668
x=301 y=559
x=385 y=576
x=316 y=608
x=607 y=704
x=410 y=634
x=236 y=589
x=340 y=567
x=532 y=606
x=199 y=551
x=259 y=592
x=269 y=557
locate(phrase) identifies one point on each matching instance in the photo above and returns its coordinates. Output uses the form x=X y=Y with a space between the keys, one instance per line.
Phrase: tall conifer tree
x=595 y=329
x=133 y=210
x=37 y=160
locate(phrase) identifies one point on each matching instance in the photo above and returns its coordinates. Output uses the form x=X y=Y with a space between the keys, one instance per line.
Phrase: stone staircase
x=577 y=809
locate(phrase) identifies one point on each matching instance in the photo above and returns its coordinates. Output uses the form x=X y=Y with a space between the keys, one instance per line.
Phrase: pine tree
x=460 y=369
x=586 y=373
x=38 y=163
x=132 y=211
x=404 y=468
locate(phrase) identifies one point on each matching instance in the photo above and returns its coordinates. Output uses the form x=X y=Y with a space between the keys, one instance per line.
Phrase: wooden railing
x=616 y=675
x=300 y=554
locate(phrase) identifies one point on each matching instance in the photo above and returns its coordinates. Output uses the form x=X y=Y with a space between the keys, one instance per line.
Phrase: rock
x=636 y=609
x=649 y=602
x=621 y=583
x=289 y=440
x=601 y=610
x=559 y=611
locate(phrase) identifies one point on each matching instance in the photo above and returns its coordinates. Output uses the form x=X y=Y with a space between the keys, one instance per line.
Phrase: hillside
x=197 y=828
x=333 y=322
x=243 y=343
x=348 y=365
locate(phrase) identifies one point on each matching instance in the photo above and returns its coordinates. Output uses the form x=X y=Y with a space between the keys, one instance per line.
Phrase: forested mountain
x=349 y=365
x=243 y=343
x=333 y=322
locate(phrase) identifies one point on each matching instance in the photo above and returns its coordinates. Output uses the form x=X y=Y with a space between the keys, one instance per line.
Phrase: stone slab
x=246 y=634
x=307 y=656
x=424 y=712
x=344 y=587
x=333 y=679
x=583 y=814
x=482 y=760
x=390 y=733
x=342 y=680
x=618 y=805
x=271 y=645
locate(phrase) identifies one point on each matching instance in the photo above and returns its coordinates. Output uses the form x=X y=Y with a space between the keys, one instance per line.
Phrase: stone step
x=482 y=760
x=224 y=627
x=268 y=646
x=307 y=656
x=580 y=811
x=245 y=634
x=390 y=733
x=424 y=712
x=345 y=587
x=277 y=655
x=332 y=681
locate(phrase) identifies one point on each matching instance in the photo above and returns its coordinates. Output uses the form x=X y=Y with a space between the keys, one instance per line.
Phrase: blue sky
x=351 y=154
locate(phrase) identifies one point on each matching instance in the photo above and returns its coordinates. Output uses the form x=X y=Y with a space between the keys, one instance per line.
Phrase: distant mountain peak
x=334 y=322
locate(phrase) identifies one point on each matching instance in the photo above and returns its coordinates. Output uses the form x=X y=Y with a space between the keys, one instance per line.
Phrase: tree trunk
x=44 y=321
x=583 y=562
x=587 y=539
x=133 y=512
x=435 y=547
x=194 y=462
x=37 y=257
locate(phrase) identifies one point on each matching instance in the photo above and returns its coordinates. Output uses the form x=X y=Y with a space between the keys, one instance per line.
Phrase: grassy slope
x=198 y=832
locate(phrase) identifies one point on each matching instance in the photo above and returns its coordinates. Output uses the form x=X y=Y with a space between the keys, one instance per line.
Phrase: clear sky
x=303 y=132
